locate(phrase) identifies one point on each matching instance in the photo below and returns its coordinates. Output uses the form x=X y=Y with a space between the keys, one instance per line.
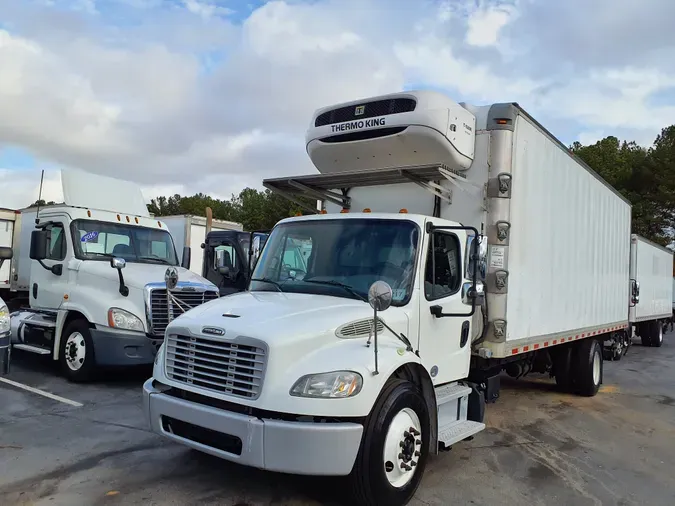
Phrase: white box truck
x=456 y=242
x=189 y=230
x=651 y=290
x=7 y=219
x=91 y=275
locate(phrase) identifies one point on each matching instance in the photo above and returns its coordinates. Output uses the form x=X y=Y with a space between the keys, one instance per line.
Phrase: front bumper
x=306 y=448
x=117 y=348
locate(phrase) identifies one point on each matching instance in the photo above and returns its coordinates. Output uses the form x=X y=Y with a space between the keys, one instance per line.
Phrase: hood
x=284 y=317
x=137 y=275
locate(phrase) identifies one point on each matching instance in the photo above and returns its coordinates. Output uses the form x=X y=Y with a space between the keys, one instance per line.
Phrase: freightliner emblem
x=214 y=331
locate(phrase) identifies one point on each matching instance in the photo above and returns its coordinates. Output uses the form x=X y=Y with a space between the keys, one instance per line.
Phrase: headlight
x=328 y=385
x=4 y=319
x=124 y=320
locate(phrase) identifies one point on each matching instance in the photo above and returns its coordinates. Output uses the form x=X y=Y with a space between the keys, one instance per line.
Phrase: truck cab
x=229 y=260
x=97 y=278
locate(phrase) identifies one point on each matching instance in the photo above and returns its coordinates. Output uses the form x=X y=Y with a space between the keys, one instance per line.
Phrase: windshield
x=341 y=257
x=100 y=240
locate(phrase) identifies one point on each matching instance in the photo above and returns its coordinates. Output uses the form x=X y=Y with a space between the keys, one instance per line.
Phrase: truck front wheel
x=394 y=447
x=76 y=351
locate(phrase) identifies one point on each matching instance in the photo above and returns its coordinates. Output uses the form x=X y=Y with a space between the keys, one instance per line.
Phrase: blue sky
x=215 y=95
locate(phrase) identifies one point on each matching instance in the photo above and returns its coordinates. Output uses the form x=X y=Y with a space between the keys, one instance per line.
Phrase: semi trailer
x=88 y=278
x=454 y=242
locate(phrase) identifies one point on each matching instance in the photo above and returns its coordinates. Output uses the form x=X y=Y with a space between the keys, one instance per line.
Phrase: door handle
x=464 y=337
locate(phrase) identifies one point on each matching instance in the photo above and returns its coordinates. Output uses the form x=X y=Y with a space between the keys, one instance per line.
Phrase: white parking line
x=42 y=392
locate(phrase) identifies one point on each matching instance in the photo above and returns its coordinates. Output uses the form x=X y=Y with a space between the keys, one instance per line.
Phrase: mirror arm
x=124 y=290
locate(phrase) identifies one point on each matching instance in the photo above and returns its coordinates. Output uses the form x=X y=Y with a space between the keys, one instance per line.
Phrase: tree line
x=645 y=176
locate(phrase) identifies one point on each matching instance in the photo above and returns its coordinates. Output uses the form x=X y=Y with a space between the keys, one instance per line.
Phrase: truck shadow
x=247 y=486
x=133 y=376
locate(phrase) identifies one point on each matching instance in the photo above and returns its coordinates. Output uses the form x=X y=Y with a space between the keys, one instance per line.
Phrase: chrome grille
x=159 y=311
x=234 y=368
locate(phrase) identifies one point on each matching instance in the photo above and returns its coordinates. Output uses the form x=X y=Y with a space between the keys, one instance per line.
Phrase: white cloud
x=188 y=96
x=485 y=24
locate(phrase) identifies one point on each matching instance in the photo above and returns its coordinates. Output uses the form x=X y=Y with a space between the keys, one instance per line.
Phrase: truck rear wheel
x=657 y=334
x=76 y=352
x=588 y=367
x=394 y=447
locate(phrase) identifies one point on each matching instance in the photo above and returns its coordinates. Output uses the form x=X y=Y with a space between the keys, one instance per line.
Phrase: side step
x=452 y=402
x=32 y=349
x=458 y=431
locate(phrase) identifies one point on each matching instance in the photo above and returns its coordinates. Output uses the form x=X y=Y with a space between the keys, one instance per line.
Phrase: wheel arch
x=417 y=374
x=64 y=319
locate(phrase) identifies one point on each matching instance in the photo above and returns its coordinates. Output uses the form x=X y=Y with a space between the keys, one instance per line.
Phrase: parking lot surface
x=541 y=447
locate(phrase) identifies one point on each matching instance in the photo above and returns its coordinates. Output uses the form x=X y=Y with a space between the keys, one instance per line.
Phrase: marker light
x=366 y=210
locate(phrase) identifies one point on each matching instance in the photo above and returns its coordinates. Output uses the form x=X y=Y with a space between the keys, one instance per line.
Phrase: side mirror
x=118 y=263
x=635 y=293
x=471 y=293
x=38 y=244
x=6 y=253
x=224 y=270
x=473 y=249
x=187 y=256
x=380 y=296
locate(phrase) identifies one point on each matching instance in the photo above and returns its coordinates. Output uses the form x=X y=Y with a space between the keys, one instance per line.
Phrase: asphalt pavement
x=89 y=445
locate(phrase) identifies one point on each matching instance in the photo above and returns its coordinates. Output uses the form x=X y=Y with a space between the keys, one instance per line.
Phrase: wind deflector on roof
x=92 y=191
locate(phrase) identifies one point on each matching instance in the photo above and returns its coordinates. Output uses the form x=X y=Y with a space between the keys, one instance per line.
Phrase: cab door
x=47 y=286
x=445 y=317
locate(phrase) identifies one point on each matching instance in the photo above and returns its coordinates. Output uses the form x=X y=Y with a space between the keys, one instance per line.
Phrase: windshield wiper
x=332 y=282
x=270 y=281
x=156 y=259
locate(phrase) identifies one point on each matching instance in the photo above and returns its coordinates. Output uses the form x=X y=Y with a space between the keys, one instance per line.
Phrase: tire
x=645 y=330
x=657 y=334
x=76 y=353
x=588 y=364
x=385 y=430
x=562 y=362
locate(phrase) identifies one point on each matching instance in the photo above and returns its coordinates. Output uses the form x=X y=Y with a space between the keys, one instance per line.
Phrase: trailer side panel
x=653 y=271
x=569 y=243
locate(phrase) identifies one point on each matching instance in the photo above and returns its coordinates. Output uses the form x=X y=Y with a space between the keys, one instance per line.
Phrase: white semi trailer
x=87 y=278
x=491 y=248
x=651 y=290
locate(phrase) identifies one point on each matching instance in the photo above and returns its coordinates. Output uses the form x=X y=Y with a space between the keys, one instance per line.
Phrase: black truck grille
x=225 y=367
x=160 y=310
x=369 y=110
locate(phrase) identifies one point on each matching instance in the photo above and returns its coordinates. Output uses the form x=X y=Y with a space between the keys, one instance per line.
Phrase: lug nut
x=406 y=433
x=418 y=442
x=417 y=454
x=413 y=463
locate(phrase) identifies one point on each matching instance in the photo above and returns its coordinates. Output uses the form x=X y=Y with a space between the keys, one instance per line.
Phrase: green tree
x=254 y=209
x=646 y=177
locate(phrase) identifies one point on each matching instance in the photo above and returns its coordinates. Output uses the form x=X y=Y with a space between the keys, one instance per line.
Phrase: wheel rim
x=75 y=351
x=660 y=334
x=402 y=448
x=596 y=368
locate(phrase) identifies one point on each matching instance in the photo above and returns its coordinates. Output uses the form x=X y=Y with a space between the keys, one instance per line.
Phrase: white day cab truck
x=88 y=278
x=5 y=327
x=482 y=246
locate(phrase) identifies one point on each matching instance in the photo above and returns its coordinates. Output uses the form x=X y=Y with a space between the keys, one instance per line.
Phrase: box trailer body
x=454 y=242
x=7 y=219
x=189 y=230
x=650 y=279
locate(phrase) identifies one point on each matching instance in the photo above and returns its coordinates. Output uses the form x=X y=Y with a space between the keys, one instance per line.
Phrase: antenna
x=37 y=213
